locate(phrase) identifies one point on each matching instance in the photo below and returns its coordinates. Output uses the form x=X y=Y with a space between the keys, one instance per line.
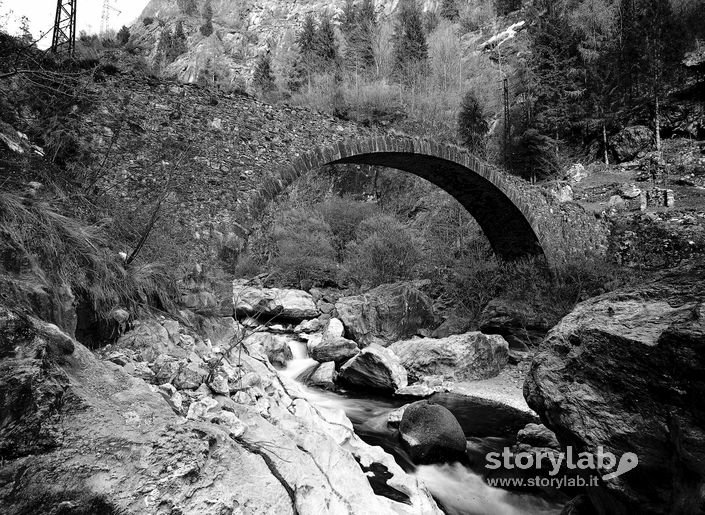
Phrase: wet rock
x=461 y=357
x=273 y=302
x=386 y=314
x=275 y=347
x=626 y=371
x=375 y=368
x=324 y=376
x=331 y=346
x=431 y=434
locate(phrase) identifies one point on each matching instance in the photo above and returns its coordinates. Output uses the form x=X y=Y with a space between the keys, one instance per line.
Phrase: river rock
x=275 y=347
x=374 y=367
x=324 y=376
x=70 y=417
x=626 y=371
x=385 y=314
x=331 y=346
x=518 y=322
x=431 y=434
x=627 y=143
x=461 y=357
x=273 y=303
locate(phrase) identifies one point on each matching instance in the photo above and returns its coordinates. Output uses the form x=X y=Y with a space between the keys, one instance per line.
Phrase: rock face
x=627 y=143
x=625 y=371
x=518 y=322
x=276 y=347
x=81 y=435
x=385 y=314
x=376 y=368
x=324 y=376
x=460 y=357
x=273 y=302
x=431 y=434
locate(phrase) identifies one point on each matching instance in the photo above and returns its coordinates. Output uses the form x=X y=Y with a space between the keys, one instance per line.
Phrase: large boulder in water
x=626 y=371
x=331 y=346
x=275 y=347
x=273 y=303
x=376 y=368
x=459 y=357
x=431 y=434
x=385 y=314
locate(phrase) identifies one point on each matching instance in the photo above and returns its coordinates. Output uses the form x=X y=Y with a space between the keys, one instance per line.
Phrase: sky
x=88 y=14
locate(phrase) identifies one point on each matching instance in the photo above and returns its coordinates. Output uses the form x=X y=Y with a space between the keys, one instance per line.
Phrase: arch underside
x=509 y=232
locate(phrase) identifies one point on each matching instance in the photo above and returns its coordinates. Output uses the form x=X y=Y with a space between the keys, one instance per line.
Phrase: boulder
x=626 y=371
x=336 y=349
x=376 y=368
x=308 y=326
x=273 y=303
x=331 y=346
x=576 y=173
x=461 y=357
x=324 y=376
x=190 y=376
x=201 y=302
x=454 y=324
x=628 y=142
x=149 y=339
x=431 y=434
x=537 y=436
x=516 y=321
x=385 y=314
x=275 y=347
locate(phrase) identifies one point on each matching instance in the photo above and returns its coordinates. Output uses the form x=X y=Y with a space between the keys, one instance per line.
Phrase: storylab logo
x=604 y=464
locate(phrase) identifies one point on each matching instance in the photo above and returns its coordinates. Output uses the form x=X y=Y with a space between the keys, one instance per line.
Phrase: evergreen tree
x=410 y=47
x=472 y=127
x=325 y=45
x=348 y=18
x=449 y=10
x=178 y=42
x=305 y=63
x=207 y=27
x=262 y=76
x=123 y=35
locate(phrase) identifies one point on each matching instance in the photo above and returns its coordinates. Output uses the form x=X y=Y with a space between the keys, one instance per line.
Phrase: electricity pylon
x=64 y=38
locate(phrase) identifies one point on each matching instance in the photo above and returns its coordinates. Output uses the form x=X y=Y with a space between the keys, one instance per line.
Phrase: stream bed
x=459 y=489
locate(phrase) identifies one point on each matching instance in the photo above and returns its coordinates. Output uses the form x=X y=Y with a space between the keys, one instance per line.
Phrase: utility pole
x=64 y=38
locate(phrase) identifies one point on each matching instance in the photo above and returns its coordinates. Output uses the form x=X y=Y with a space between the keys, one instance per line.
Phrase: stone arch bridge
x=513 y=218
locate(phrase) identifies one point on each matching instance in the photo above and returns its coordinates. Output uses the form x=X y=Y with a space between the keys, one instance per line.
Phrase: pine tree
x=178 y=42
x=472 y=126
x=410 y=47
x=306 y=41
x=123 y=35
x=325 y=45
x=449 y=10
x=262 y=76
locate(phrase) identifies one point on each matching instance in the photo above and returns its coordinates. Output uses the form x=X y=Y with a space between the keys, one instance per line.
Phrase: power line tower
x=105 y=17
x=64 y=38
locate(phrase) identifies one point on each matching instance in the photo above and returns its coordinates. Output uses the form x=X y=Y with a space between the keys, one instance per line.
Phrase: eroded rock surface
x=376 y=368
x=83 y=433
x=625 y=371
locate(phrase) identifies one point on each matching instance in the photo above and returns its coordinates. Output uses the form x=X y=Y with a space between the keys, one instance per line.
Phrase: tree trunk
x=604 y=144
x=657 y=123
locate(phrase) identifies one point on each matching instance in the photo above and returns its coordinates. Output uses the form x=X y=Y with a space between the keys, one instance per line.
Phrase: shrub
x=472 y=126
x=304 y=247
x=343 y=216
x=384 y=251
x=147 y=20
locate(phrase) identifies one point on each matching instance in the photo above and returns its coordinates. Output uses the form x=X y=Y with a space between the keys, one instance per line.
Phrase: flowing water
x=458 y=488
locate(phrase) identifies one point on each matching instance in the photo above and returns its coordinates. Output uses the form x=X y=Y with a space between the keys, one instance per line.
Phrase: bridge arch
x=492 y=198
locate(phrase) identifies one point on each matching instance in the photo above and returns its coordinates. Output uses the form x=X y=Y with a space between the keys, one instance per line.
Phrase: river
x=459 y=489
